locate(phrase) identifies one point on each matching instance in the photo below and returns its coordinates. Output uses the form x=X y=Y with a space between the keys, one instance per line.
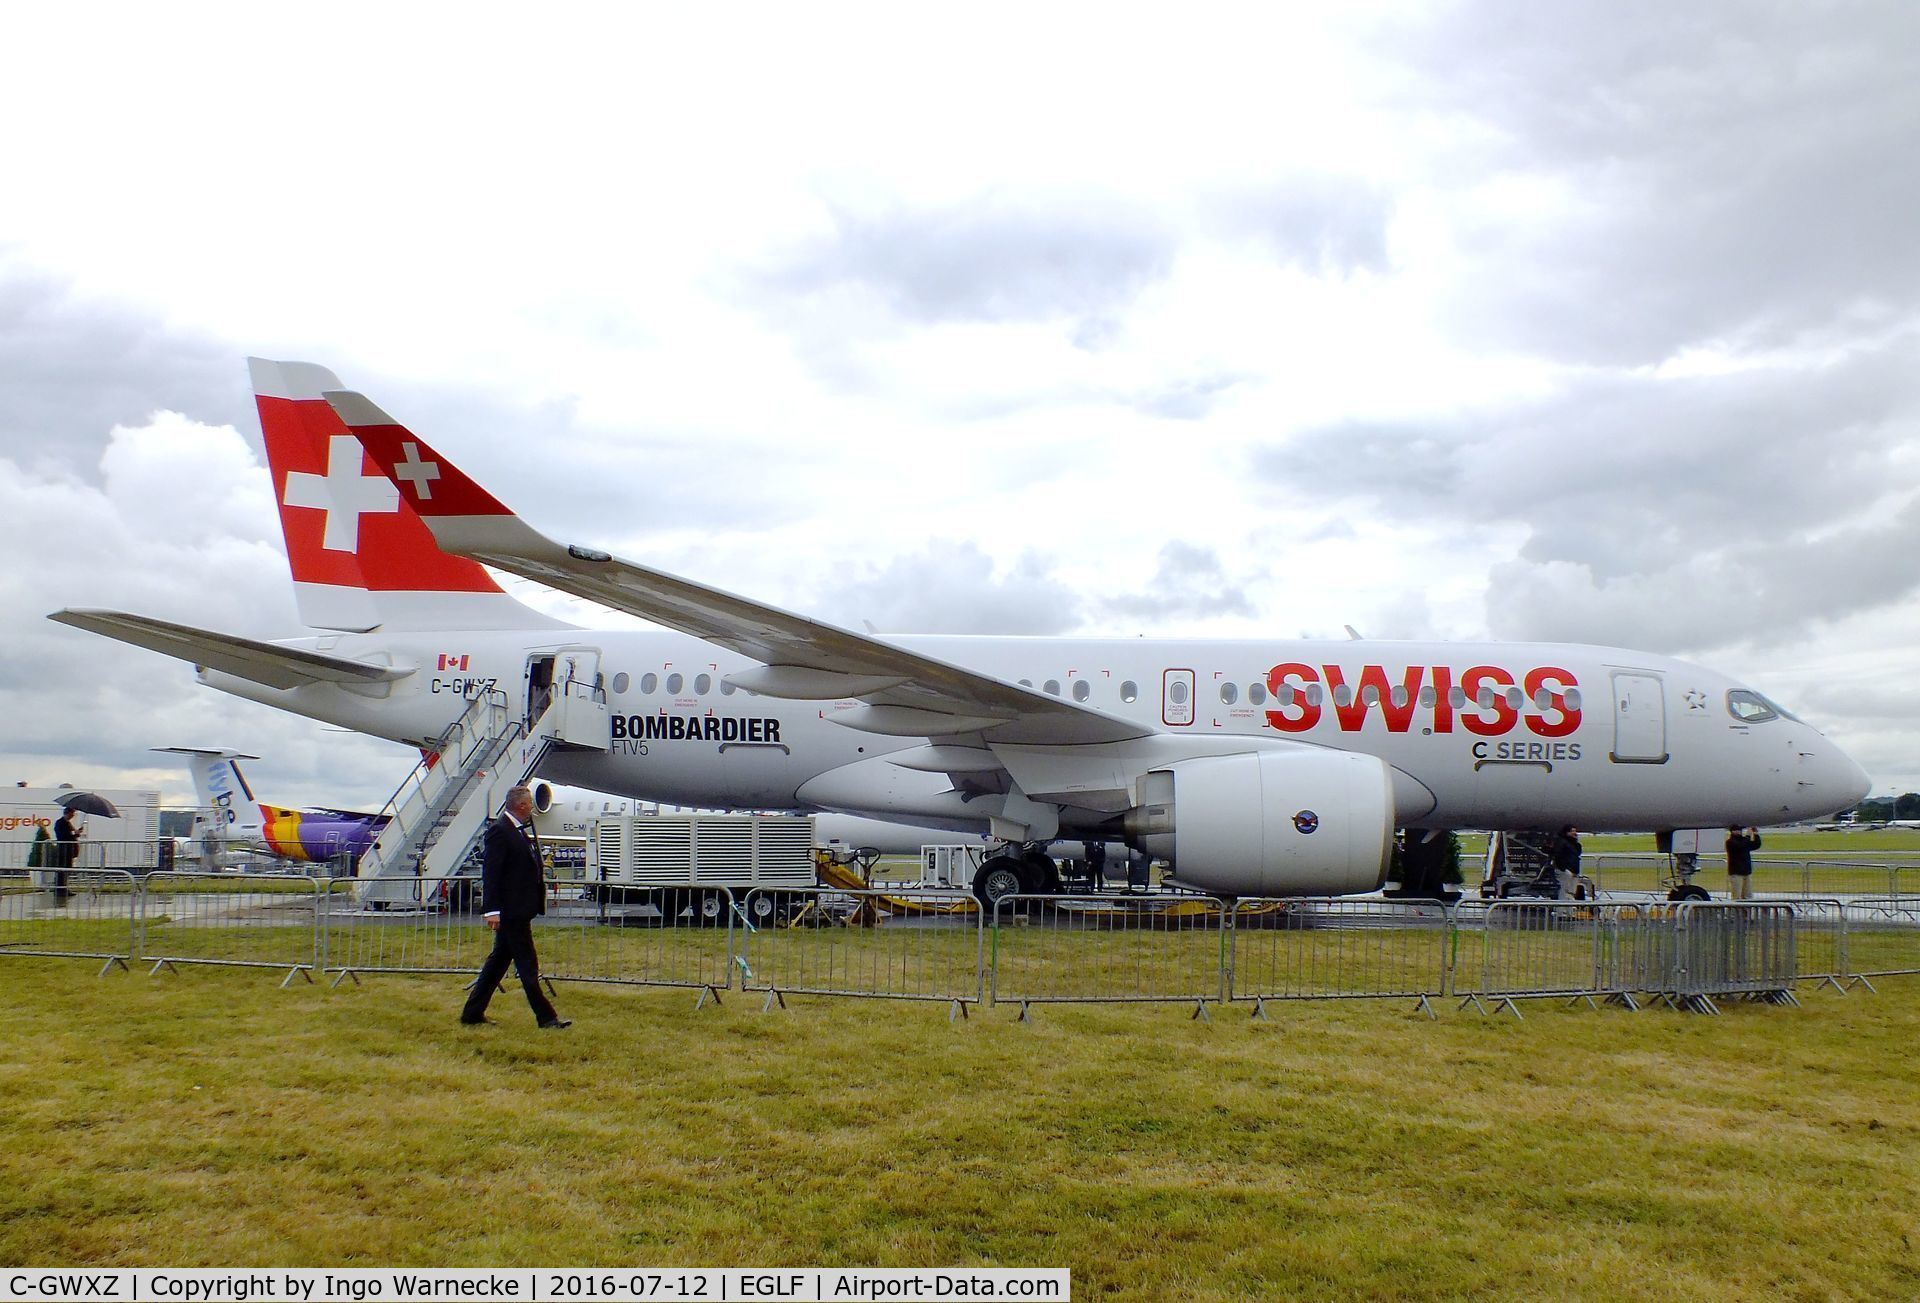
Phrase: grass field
x=1337 y=1150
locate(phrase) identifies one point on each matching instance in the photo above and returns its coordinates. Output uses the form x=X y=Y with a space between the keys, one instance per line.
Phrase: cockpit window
x=1750 y=707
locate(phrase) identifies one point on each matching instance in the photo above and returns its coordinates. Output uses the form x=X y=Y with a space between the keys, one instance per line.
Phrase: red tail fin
x=360 y=556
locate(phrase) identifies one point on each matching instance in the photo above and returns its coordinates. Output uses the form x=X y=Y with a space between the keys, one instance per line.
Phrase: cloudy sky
x=1588 y=322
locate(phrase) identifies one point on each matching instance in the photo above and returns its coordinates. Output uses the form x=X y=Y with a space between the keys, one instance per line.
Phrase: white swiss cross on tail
x=418 y=474
x=345 y=493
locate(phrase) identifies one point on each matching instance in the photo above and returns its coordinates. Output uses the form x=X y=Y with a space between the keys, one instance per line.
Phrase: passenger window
x=726 y=689
x=1026 y=683
x=1370 y=695
x=1400 y=696
x=620 y=682
x=1457 y=698
x=1081 y=690
x=1750 y=707
x=1129 y=691
x=1314 y=694
x=1177 y=693
x=1256 y=694
x=1429 y=698
x=1229 y=694
x=1343 y=695
x=702 y=684
x=1542 y=699
x=649 y=683
x=1573 y=698
x=675 y=682
x=1516 y=698
x=1052 y=687
x=1484 y=698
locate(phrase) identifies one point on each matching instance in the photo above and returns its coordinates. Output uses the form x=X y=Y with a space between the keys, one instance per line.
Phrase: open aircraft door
x=568 y=671
x=1639 y=719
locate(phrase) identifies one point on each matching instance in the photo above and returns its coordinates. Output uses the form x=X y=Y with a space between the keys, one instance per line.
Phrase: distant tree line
x=1882 y=808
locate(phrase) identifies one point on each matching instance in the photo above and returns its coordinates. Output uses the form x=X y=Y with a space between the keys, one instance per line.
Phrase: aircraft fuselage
x=1490 y=735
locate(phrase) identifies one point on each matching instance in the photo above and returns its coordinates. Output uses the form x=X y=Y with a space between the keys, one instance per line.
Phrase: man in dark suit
x=513 y=892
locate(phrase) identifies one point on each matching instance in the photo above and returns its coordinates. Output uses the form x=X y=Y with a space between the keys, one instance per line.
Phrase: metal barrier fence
x=1820 y=942
x=88 y=916
x=1723 y=948
x=249 y=921
x=1082 y=949
x=906 y=944
x=433 y=925
x=1883 y=938
x=1540 y=949
x=1336 y=948
x=1617 y=873
x=51 y=857
x=934 y=945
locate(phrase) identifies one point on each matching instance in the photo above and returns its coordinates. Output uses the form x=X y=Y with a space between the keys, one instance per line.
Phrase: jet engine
x=1301 y=822
x=542 y=797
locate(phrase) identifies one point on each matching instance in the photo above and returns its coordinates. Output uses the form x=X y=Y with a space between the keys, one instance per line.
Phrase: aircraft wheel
x=1689 y=892
x=998 y=877
x=1039 y=875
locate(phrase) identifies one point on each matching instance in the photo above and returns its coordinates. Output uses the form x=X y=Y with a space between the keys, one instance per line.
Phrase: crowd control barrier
x=1105 y=949
x=1883 y=938
x=1820 y=942
x=246 y=921
x=1726 y=948
x=892 y=944
x=433 y=925
x=1338 y=948
x=88 y=916
x=1536 y=949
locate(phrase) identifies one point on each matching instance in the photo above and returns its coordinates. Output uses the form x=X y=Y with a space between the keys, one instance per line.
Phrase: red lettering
x=1504 y=715
x=1287 y=695
x=1555 y=680
x=1353 y=715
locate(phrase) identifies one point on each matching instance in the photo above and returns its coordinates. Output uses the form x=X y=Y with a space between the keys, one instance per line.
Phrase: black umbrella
x=88 y=803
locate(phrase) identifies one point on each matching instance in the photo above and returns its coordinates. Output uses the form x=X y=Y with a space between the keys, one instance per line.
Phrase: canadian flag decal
x=452 y=662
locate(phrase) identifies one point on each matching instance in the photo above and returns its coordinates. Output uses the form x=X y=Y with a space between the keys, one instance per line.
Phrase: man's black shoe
x=476 y=1022
x=556 y=1024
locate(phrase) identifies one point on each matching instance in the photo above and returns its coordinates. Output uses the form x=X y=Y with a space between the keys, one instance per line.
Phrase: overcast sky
x=1589 y=322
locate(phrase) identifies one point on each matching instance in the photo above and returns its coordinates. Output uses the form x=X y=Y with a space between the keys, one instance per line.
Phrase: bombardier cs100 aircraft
x=1257 y=767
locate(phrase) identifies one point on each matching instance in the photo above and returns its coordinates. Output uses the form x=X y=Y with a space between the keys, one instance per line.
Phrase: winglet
x=464 y=518
x=428 y=482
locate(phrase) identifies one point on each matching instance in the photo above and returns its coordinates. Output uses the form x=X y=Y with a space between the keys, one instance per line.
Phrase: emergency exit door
x=1639 y=720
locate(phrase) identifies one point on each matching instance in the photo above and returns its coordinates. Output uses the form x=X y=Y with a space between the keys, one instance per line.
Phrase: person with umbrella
x=67 y=832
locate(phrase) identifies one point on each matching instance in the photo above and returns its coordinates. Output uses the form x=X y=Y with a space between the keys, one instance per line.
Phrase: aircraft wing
x=906 y=694
x=246 y=658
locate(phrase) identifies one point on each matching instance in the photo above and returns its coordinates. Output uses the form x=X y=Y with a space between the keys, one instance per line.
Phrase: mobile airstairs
x=440 y=809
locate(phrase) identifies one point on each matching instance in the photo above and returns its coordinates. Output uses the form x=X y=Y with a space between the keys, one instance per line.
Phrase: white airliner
x=1256 y=767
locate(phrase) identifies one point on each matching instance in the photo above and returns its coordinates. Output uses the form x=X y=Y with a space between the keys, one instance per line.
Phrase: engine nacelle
x=1270 y=823
x=542 y=797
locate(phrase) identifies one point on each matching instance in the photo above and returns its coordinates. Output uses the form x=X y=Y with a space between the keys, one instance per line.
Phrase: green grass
x=1337 y=1150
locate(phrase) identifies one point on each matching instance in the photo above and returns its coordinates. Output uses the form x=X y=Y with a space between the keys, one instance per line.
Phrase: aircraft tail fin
x=219 y=785
x=360 y=556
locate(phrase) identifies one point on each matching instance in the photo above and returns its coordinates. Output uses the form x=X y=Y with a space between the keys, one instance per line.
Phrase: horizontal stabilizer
x=246 y=658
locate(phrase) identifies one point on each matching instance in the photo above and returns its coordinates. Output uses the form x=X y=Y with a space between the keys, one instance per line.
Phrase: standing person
x=1565 y=849
x=66 y=831
x=1740 y=849
x=513 y=892
x=66 y=850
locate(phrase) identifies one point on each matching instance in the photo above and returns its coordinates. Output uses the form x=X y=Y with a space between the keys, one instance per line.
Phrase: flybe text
x=1485 y=700
x=694 y=728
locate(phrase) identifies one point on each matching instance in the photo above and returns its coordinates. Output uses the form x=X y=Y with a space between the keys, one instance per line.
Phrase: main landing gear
x=1015 y=871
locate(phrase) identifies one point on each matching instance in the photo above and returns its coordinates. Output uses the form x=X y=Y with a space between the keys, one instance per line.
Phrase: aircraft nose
x=1854 y=783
